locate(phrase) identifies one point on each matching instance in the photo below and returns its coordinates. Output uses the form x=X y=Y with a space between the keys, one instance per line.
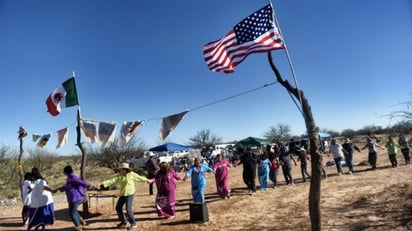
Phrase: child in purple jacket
x=75 y=192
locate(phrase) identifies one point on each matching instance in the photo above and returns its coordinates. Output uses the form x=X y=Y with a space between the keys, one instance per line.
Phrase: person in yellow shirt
x=392 y=148
x=125 y=179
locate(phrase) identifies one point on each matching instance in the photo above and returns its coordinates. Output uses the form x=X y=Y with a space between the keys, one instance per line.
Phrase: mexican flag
x=64 y=96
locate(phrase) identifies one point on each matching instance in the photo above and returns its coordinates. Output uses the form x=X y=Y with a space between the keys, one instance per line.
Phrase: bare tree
x=349 y=133
x=279 y=133
x=405 y=114
x=402 y=127
x=204 y=138
x=114 y=154
x=41 y=158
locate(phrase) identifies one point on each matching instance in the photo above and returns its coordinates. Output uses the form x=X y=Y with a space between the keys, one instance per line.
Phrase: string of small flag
x=103 y=133
x=256 y=33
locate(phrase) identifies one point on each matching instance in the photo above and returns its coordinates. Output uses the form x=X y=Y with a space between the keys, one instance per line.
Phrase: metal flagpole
x=289 y=59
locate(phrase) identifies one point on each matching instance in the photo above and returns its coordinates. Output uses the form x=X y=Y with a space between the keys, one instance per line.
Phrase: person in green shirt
x=125 y=179
x=392 y=148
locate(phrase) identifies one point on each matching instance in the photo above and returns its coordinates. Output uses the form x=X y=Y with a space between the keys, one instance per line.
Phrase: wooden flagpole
x=84 y=157
x=312 y=130
x=20 y=166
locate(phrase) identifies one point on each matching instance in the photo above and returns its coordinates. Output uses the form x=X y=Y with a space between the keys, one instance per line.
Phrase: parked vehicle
x=140 y=161
x=180 y=154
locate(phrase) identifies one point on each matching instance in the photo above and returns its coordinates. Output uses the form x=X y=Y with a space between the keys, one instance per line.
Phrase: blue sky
x=138 y=60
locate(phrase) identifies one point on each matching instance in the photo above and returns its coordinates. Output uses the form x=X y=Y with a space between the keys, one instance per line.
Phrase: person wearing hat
x=350 y=148
x=125 y=178
x=165 y=180
x=303 y=158
x=152 y=168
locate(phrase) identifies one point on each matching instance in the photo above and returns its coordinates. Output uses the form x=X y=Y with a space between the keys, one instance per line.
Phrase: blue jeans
x=287 y=173
x=74 y=214
x=349 y=161
x=273 y=175
x=338 y=162
x=128 y=200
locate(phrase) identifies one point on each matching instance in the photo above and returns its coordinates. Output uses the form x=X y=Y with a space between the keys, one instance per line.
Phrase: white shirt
x=39 y=196
x=26 y=191
x=336 y=150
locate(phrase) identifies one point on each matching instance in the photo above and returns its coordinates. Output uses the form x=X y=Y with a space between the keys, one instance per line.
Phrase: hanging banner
x=89 y=128
x=43 y=140
x=127 y=131
x=106 y=133
x=169 y=124
x=62 y=135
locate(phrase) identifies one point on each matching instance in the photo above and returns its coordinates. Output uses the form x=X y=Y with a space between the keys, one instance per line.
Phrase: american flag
x=254 y=34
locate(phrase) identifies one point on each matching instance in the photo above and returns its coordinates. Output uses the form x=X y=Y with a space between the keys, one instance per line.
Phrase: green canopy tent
x=251 y=142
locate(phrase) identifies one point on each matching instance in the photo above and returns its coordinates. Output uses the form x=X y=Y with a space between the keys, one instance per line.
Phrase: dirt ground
x=365 y=200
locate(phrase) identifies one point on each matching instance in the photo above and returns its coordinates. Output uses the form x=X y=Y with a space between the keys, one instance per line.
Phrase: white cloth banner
x=62 y=135
x=43 y=140
x=106 y=133
x=89 y=128
x=169 y=124
x=36 y=137
x=127 y=131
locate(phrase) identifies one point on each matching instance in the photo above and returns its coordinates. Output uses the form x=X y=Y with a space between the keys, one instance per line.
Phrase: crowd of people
x=264 y=165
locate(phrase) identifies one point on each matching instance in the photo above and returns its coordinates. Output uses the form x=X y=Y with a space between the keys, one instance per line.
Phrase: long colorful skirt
x=41 y=216
x=166 y=205
x=222 y=185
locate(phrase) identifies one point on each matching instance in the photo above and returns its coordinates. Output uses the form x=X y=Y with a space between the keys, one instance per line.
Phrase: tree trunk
x=316 y=158
x=83 y=165
x=20 y=167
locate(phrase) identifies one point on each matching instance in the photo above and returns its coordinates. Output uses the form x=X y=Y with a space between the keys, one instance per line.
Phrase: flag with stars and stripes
x=254 y=34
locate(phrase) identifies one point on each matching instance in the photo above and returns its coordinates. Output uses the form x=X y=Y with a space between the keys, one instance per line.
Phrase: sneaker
x=228 y=196
x=83 y=222
x=40 y=227
x=132 y=227
x=122 y=225
x=350 y=172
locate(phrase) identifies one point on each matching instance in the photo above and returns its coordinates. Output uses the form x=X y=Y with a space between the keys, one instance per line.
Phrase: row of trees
x=282 y=132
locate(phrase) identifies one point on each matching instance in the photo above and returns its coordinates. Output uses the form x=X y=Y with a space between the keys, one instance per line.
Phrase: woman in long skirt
x=197 y=173
x=42 y=204
x=263 y=172
x=166 y=188
x=221 y=168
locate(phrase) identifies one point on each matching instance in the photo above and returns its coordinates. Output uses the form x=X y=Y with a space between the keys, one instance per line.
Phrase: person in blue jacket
x=197 y=173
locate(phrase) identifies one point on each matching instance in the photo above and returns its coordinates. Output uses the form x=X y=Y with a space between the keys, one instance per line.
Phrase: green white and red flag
x=62 y=97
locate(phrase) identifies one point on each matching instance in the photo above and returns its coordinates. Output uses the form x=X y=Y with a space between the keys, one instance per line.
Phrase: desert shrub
x=114 y=154
x=14 y=193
